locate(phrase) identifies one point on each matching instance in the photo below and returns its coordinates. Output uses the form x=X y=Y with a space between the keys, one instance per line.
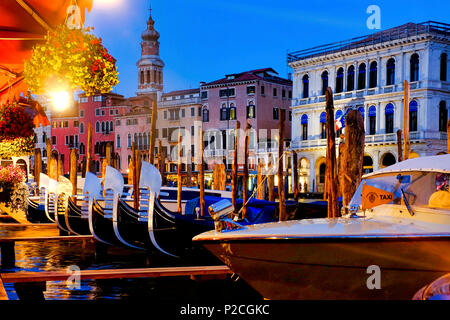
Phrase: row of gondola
x=105 y=210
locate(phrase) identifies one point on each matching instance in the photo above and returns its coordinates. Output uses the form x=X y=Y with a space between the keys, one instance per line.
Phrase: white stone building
x=368 y=73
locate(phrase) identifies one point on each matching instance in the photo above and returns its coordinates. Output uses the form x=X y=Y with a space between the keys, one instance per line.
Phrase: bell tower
x=150 y=66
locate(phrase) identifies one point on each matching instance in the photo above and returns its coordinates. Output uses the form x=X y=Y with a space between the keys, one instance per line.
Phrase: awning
x=372 y=111
x=304 y=119
x=323 y=117
x=413 y=106
x=361 y=109
x=389 y=109
x=23 y=23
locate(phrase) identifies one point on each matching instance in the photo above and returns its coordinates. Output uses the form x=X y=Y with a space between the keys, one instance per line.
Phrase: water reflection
x=55 y=255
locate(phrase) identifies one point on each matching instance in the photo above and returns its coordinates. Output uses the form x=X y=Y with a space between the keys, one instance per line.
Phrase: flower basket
x=13 y=191
x=71 y=59
x=16 y=131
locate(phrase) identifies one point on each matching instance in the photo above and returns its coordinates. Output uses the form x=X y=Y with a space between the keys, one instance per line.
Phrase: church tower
x=150 y=66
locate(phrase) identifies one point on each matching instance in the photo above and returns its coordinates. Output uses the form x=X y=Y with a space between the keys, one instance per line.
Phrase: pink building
x=255 y=96
x=69 y=130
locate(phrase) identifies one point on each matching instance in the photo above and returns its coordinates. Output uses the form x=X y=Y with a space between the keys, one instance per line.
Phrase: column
x=312 y=174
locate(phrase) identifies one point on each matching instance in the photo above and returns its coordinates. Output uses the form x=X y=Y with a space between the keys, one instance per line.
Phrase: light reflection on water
x=59 y=255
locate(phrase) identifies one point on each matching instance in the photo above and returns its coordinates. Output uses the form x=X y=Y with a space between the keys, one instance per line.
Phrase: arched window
x=324 y=81
x=322 y=170
x=389 y=117
x=372 y=120
x=232 y=112
x=140 y=144
x=305 y=81
x=367 y=164
x=362 y=76
x=339 y=131
x=135 y=140
x=413 y=115
x=142 y=77
x=251 y=110
x=103 y=127
x=390 y=72
x=443 y=116
x=224 y=112
x=81 y=127
x=111 y=126
x=205 y=115
x=351 y=78
x=444 y=58
x=97 y=126
x=340 y=80
x=118 y=141
x=323 y=125
x=82 y=148
x=414 y=67
x=129 y=141
x=304 y=122
x=373 y=74
x=44 y=137
x=388 y=160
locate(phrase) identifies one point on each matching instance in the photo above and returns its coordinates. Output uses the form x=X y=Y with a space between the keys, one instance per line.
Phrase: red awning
x=22 y=24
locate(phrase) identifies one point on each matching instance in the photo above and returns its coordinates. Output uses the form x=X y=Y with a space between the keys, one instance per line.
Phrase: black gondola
x=75 y=221
x=101 y=224
x=35 y=212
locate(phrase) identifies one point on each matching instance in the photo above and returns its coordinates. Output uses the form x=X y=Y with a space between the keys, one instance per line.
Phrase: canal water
x=60 y=255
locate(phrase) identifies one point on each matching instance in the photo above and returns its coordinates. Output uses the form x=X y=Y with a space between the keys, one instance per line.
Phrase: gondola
x=63 y=191
x=35 y=211
x=77 y=211
x=158 y=229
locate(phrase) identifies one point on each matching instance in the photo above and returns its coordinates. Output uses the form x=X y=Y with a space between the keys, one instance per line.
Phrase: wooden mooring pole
x=245 y=175
x=135 y=179
x=37 y=167
x=281 y=195
x=234 y=173
x=179 y=176
x=331 y=174
x=73 y=170
x=406 y=141
x=48 y=149
x=295 y=168
x=353 y=155
x=202 y=176
x=399 y=145
x=448 y=136
x=89 y=149
x=151 y=150
x=259 y=180
x=270 y=180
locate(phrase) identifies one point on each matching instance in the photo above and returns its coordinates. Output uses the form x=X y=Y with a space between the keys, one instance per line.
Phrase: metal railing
x=404 y=31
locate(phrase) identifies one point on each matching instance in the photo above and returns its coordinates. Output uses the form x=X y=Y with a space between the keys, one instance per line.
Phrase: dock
x=31 y=285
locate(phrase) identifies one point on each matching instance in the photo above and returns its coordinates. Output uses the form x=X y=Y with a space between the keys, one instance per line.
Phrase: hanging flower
x=71 y=58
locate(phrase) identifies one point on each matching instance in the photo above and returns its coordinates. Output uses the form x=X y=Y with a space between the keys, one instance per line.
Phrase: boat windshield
x=415 y=188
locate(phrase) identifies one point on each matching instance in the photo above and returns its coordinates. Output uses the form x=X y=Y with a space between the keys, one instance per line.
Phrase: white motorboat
x=395 y=241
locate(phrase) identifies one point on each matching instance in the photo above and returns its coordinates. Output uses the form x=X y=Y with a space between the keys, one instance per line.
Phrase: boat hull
x=35 y=213
x=75 y=222
x=297 y=269
x=102 y=226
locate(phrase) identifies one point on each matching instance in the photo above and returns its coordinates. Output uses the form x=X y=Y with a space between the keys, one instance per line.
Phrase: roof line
x=34 y=14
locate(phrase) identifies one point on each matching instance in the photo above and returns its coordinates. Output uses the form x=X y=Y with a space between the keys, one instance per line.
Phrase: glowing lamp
x=60 y=100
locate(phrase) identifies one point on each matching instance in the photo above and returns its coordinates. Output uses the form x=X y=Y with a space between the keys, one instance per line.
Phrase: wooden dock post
x=281 y=195
x=399 y=145
x=270 y=180
x=89 y=149
x=60 y=165
x=259 y=181
x=331 y=174
x=130 y=172
x=151 y=149
x=37 y=167
x=234 y=173
x=406 y=141
x=135 y=180
x=179 y=177
x=53 y=165
x=353 y=155
x=48 y=149
x=73 y=170
x=202 y=176
x=189 y=169
x=162 y=162
x=245 y=173
x=295 y=169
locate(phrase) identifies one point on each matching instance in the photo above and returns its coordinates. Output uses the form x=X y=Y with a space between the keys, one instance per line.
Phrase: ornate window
x=413 y=115
x=373 y=74
x=351 y=78
x=304 y=122
x=323 y=125
x=389 y=117
x=414 y=67
x=324 y=77
x=305 y=81
x=340 y=80
x=372 y=120
x=390 y=72
x=362 y=76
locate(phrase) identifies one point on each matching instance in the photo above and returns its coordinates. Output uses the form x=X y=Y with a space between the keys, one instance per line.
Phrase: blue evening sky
x=202 y=40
